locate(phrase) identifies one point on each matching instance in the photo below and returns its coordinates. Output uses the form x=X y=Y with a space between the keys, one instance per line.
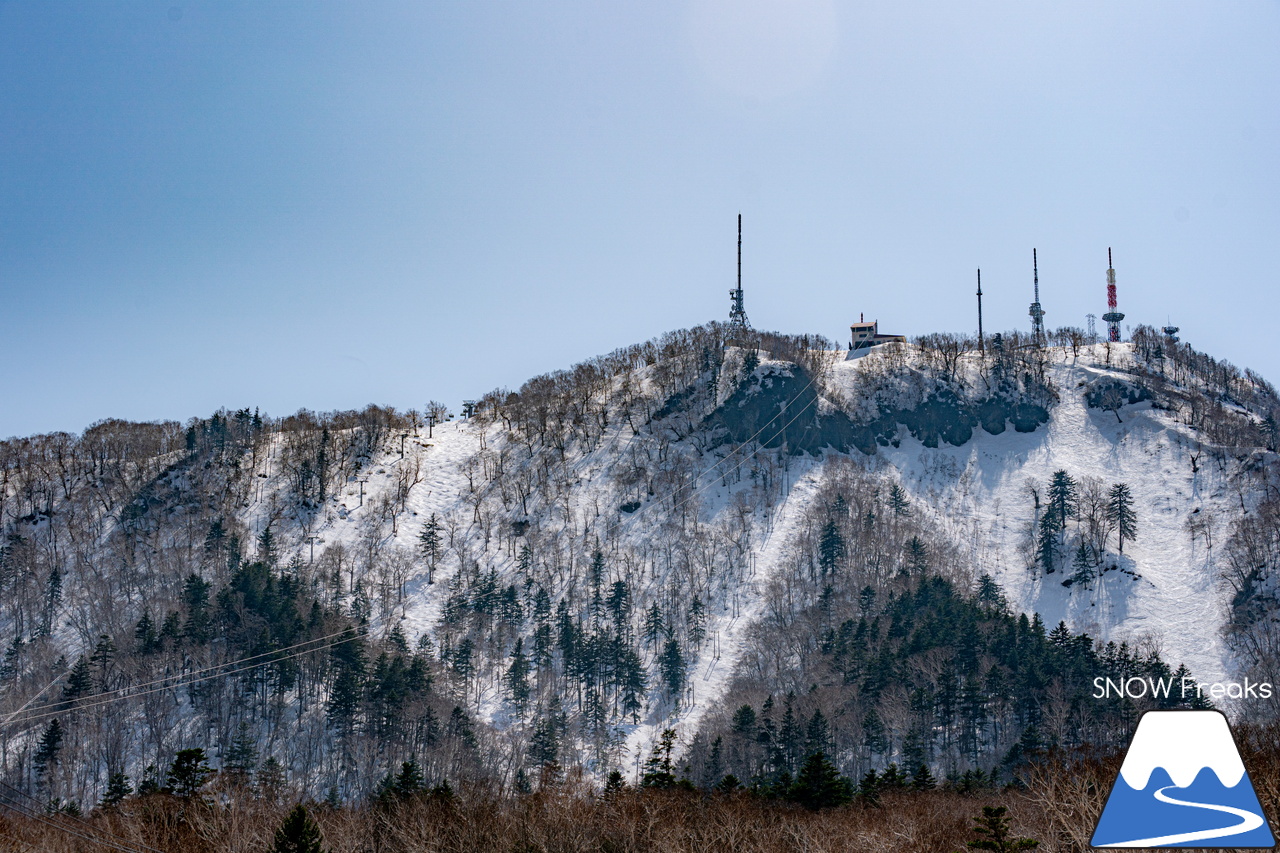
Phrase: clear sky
x=326 y=204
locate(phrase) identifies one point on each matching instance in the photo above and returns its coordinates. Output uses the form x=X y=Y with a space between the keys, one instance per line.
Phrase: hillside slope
x=634 y=545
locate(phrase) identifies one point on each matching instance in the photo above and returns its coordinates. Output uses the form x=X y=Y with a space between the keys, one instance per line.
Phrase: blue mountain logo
x=1183 y=784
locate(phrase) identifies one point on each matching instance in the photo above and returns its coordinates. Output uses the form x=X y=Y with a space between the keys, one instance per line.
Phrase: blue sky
x=323 y=205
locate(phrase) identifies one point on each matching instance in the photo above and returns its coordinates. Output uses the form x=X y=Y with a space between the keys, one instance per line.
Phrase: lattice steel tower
x=738 y=314
x=981 y=346
x=1112 y=317
x=1036 y=312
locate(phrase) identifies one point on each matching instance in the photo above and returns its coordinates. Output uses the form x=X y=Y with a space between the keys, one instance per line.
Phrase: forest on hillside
x=164 y=590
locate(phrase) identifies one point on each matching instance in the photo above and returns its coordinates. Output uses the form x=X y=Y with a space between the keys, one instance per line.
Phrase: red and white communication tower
x=1112 y=317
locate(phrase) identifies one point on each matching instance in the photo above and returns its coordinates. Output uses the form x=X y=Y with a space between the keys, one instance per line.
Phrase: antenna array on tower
x=1036 y=312
x=1112 y=317
x=737 y=313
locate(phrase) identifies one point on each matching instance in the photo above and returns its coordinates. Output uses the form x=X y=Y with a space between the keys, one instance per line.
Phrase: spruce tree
x=79 y=681
x=1064 y=498
x=831 y=549
x=672 y=666
x=1120 y=513
x=188 y=773
x=298 y=834
x=898 y=501
x=697 y=622
x=922 y=779
x=1082 y=563
x=145 y=634
x=654 y=624
x=658 y=772
x=271 y=779
x=819 y=785
x=615 y=783
x=241 y=757
x=103 y=654
x=993 y=827
x=1047 y=543
x=52 y=598
x=917 y=556
x=869 y=788
x=195 y=595
x=118 y=788
x=518 y=675
x=410 y=780
x=989 y=591
x=429 y=546
x=267 y=547
x=47 y=748
x=544 y=746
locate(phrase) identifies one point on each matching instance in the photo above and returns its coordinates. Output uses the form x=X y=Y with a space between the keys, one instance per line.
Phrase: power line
x=186 y=680
x=25 y=705
x=124 y=847
x=85 y=823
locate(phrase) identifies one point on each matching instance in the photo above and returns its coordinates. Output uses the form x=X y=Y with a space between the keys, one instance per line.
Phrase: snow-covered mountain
x=635 y=544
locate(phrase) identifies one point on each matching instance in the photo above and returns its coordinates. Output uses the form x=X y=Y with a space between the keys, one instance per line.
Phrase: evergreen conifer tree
x=1047 y=543
x=79 y=681
x=922 y=779
x=1082 y=563
x=869 y=788
x=145 y=634
x=917 y=556
x=298 y=834
x=898 y=501
x=658 y=771
x=188 y=773
x=195 y=595
x=271 y=779
x=819 y=785
x=267 y=547
x=48 y=747
x=429 y=545
x=518 y=675
x=1064 y=498
x=654 y=624
x=993 y=827
x=1120 y=513
x=831 y=549
x=672 y=666
x=52 y=598
x=241 y=757
x=118 y=788
x=103 y=654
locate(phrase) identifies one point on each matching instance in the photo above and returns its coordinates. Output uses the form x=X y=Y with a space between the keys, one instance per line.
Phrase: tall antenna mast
x=981 y=348
x=737 y=313
x=1036 y=312
x=1112 y=317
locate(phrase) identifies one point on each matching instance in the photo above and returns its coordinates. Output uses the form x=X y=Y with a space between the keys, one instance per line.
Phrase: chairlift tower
x=1036 y=312
x=737 y=313
x=1112 y=317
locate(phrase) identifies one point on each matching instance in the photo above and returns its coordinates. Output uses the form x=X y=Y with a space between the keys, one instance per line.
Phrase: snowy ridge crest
x=1183 y=743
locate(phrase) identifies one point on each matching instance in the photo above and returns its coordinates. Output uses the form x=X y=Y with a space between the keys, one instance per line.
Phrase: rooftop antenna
x=981 y=349
x=1036 y=312
x=738 y=314
x=1112 y=317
